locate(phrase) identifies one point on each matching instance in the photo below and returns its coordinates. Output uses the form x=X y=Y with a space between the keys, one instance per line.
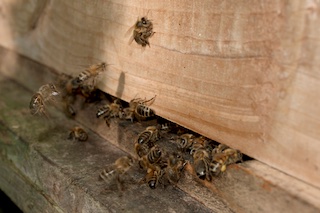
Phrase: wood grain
x=244 y=73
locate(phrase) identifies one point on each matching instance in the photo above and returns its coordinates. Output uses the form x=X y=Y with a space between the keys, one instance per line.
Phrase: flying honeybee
x=109 y=111
x=38 y=101
x=221 y=160
x=142 y=31
x=77 y=133
x=116 y=170
x=175 y=166
x=90 y=74
x=139 y=109
x=201 y=160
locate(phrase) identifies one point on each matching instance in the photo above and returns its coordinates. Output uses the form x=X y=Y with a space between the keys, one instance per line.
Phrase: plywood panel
x=244 y=73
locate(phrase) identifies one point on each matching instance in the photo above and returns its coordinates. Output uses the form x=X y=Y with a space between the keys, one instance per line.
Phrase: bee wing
x=130 y=32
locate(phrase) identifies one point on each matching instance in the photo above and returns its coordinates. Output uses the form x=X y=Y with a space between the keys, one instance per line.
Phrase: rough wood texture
x=42 y=171
x=61 y=175
x=244 y=73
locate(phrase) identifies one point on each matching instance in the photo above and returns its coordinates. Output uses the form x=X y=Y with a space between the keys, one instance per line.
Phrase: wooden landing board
x=42 y=171
x=244 y=73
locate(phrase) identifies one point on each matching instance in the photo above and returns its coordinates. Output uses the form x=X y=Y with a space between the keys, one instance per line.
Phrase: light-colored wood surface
x=244 y=73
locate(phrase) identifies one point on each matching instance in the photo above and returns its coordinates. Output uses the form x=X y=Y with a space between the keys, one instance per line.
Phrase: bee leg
x=70 y=110
x=107 y=120
x=120 y=184
x=71 y=135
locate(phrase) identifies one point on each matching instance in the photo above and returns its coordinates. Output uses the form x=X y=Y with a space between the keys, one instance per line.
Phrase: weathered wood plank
x=241 y=72
x=42 y=171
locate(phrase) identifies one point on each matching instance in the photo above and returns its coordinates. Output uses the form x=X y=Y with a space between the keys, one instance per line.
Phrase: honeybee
x=37 y=105
x=153 y=157
x=219 y=149
x=175 y=166
x=201 y=164
x=185 y=141
x=90 y=73
x=142 y=149
x=45 y=93
x=221 y=160
x=142 y=31
x=116 y=170
x=77 y=133
x=109 y=111
x=153 y=176
x=149 y=135
x=198 y=143
x=139 y=109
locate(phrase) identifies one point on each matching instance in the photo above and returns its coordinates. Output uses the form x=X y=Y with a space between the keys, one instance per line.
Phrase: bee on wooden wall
x=45 y=94
x=139 y=109
x=79 y=134
x=142 y=31
x=115 y=171
x=222 y=159
x=109 y=111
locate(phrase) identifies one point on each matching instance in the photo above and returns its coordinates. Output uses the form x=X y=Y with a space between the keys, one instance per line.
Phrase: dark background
x=6 y=205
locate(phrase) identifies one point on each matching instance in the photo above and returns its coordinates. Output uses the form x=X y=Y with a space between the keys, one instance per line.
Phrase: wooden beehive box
x=244 y=73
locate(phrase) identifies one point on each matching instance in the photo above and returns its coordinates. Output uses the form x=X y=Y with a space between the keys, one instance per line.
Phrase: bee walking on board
x=223 y=158
x=109 y=111
x=139 y=109
x=150 y=135
x=46 y=93
x=175 y=166
x=185 y=141
x=152 y=158
x=153 y=176
x=201 y=160
x=77 y=133
x=116 y=171
x=142 y=31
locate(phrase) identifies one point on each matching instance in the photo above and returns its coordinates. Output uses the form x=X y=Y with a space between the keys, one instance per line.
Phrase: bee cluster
x=164 y=161
x=162 y=151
